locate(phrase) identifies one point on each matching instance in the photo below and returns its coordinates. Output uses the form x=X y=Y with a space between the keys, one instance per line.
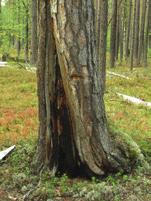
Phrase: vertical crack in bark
x=72 y=103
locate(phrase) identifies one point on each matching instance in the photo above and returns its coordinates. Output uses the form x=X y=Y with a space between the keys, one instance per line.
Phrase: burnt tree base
x=73 y=132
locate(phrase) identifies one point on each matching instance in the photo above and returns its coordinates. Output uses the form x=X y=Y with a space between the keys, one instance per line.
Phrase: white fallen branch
x=134 y=100
x=31 y=69
x=5 y=152
x=118 y=75
x=3 y=63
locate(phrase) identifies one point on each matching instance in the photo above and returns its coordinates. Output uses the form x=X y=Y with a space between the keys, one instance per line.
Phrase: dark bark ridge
x=73 y=131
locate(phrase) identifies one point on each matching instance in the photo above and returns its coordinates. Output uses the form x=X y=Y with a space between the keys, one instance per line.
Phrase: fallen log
x=31 y=69
x=118 y=75
x=3 y=63
x=131 y=99
x=5 y=152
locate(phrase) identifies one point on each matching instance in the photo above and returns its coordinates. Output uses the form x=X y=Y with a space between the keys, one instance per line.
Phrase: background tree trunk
x=133 y=36
x=146 y=32
x=73 y=131
x=18 y=42
x=113 y=34
x=141 y=37
x=34 y=40
x=121 y=30
x=127 y=51
x=101 y=37
x=27 y=33
x=0 y=6
x=136 y=35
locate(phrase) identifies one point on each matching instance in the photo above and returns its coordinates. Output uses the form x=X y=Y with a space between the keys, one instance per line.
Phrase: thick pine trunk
x=73 y=131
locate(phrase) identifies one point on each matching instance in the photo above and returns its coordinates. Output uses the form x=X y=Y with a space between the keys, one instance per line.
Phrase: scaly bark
x=73 y=131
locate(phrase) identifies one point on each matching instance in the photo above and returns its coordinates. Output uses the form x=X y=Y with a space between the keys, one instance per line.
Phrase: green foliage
x=13 y=24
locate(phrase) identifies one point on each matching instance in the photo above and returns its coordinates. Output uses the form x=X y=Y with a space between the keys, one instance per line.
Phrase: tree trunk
x=113 y=34
x=127 y=51
x=136 y=37
x=34 y=40
x=101 y=37
x=133 y=36
x=18 y=42
x=117 y=33
x=0 y=6
x=146 y=33
x=73 y=131
x=27 y=33
x=141 y=37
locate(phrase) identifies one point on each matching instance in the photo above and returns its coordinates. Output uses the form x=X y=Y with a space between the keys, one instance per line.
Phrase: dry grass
x=18 y=105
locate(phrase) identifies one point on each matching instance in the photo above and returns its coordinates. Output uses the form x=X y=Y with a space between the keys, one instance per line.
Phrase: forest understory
x=19 y=122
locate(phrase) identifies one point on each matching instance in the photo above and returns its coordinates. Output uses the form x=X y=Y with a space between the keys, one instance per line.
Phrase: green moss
x=129 y=118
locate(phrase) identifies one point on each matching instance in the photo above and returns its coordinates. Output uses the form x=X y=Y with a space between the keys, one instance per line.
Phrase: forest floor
x=19 y=123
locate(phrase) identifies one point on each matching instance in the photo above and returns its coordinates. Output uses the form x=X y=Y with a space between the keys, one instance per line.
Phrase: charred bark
x=73 y=131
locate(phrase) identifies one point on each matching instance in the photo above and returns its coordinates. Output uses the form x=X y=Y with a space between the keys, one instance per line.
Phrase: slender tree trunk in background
x=34 y=40
x=128 y=29
x=73 y=131
x=38 y=18
x=121 y=31
x=27 y=34
x=141 y=36
x=101 y=37
x=0 y=6
x=136 y=37
x=97 y=4
x=127 y=51
x=117 y=33
x=103 y=41
x=146 y=32
x=0 y=16
x=149 y=38
x=113 y=34
x=133 y=36
x=18 y=38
